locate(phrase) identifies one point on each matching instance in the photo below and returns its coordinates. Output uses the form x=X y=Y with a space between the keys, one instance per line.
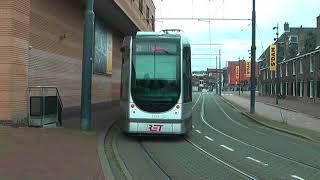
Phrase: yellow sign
x=248 y=69
x=273 y=57
x=109 y=54
x=237 y=72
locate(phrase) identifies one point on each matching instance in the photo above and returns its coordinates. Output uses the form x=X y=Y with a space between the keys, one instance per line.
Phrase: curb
x=281 y=107
x=122 y=165
x=265 y=124
x=106 y=168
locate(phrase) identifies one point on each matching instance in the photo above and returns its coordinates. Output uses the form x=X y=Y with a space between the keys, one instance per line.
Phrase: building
x=205 y=79
x=41 y=44
x=241 y=76
x=198 y=80
x=213 y=78
x=297 y=73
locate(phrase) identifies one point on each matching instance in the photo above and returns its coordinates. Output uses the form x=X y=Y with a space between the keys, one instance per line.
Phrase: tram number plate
x=155 y=127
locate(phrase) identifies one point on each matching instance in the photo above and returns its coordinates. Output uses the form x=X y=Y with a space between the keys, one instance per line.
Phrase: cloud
x=235 y=36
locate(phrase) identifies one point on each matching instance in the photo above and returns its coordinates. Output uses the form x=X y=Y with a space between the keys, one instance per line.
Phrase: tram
x=156 y=91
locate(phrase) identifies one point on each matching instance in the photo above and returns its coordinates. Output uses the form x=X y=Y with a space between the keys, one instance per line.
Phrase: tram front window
x=155 y=84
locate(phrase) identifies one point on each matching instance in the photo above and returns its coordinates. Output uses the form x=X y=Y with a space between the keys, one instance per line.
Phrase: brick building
x=41 y=44
x=213 y=78
x=242 y=78
x=298 y=70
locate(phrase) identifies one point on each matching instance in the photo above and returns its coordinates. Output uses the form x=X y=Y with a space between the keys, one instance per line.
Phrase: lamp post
x=239 y=75
x=88 y=44
x=276 y=71
x=253 y=60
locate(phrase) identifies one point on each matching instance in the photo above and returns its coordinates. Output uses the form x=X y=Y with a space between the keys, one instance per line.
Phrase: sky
x=232 y=38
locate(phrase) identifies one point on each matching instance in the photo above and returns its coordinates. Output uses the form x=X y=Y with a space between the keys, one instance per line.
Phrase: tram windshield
x=155 y=71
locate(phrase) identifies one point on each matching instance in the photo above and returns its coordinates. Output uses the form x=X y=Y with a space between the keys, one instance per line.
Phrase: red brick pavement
x=48 y=154
x=55 y=154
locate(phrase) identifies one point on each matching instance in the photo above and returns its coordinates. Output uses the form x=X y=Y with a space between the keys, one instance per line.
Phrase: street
x=223 y=144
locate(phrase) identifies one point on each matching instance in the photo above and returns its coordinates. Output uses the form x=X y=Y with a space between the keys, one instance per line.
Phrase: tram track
x=204 y=120
x=147 y=149
x=153 y=160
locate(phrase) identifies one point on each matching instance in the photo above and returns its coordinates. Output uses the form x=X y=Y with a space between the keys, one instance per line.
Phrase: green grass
x=278 y=125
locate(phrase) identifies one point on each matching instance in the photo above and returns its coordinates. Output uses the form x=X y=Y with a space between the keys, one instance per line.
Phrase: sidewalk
x=278 y=114
x=51 y=154
x=60 y=153
x=311 y=109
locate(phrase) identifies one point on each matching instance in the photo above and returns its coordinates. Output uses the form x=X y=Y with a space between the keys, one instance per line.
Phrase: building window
x=280 y=66
x=293 y=68
x=152 y=19
x=286 y=69
x=318 y=89
x=147 y=14
x=275 y=74
x=301 y=89
x=271 y=74
x=141 y=6
x=281 y=88
x=287 y=88
x=102 y=63
x=310 y=88
x=294 y=88
x=267 y=74
x=300 y=66
x=311 y=63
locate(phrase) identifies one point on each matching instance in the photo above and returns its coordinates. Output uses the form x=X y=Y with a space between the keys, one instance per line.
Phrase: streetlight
x=239 y=64
x=276 y=71
x=253 y=60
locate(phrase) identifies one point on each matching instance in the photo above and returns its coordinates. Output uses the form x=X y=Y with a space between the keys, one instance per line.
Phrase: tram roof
x=144 y=34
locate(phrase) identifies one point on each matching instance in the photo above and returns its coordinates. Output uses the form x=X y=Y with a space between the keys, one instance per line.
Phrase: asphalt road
x=223 y=144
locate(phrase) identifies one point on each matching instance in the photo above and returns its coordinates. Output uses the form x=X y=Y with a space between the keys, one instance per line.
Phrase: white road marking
x=257 y=161
x=236 y=122
x=198 y=131
x=197 y=100
x=297 y=177
x=221 y=161
x=242 y=142
x=226 y=147
x=209 y=138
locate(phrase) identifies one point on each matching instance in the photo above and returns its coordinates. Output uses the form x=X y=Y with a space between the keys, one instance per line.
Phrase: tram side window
x=187 y=74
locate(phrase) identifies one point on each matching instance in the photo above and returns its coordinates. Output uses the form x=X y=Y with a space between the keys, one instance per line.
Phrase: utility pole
x=88 y=44
x=239 y=63
x=217 y=92
x=276 y=71
x=253 y=60
x=220 y=73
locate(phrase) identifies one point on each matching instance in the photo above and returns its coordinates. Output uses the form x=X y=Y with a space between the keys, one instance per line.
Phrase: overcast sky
x=234 y=36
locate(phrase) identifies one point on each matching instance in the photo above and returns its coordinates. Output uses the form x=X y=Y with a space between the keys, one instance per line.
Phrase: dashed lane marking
x=209 y=138
x=297 y=177
x=198 y=131
x=226 y=147
x=257 y=161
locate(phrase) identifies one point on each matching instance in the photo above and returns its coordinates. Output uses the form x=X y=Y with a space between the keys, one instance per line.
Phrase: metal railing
x=41 y=89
